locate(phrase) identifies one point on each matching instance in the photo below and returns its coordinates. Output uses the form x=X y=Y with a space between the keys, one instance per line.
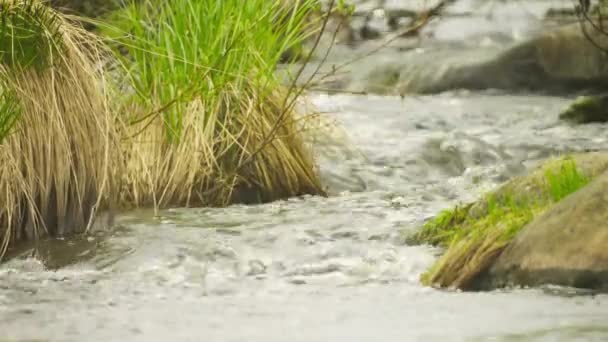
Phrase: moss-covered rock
x=475 y=235
x=564 y=246
x=587 y=109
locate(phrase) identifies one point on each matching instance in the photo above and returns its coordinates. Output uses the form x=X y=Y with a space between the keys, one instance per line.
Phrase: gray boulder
x=558 y=61
x=564 y=246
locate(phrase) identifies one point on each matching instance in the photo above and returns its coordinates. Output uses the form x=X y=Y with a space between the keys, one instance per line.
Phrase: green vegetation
x=474 y=235
x=342 y=7
x=194 y=115
x=182 y=51
x=58 y=138
x=565 y=180
x=89 y=8
x=29 y=35
x=205 y=93
x=587 y=109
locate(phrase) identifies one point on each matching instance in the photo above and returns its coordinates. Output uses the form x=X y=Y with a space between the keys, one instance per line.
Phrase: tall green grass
x=565 y=180
x=210 y=122
x=181 y=50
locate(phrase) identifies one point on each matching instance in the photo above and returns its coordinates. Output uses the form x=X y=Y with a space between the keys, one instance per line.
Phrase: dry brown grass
x=58 y=164
x=466 y=259
x=227 y=131
x=69 y=155
x=243 y=148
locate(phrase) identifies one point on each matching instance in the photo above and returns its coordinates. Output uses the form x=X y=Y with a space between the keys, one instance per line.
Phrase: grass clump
x=199 y=118
x=564 y=180
x=29 y=34
x=56 y=130
x=473 y=243
x=209 y=121
x=439 y=232
x=474 y=235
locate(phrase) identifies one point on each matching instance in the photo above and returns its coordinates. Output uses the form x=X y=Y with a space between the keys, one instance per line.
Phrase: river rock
x=557 y=61
x=564 y=246
x=587 y=109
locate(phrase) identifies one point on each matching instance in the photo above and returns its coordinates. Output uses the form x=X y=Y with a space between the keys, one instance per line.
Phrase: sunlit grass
x=184 y=50
x=565 y=180
x=474 y=235
x=200 y=118
x=208 y=121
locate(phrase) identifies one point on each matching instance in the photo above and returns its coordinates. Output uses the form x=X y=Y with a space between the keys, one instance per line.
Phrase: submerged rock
x=564 y=246
x=587 y=109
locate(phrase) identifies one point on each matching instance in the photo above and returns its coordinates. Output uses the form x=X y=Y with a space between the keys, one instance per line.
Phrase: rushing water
x=317 y=269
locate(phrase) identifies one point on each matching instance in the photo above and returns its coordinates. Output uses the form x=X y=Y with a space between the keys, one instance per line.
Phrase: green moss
x=587 y=109
x=475 y=234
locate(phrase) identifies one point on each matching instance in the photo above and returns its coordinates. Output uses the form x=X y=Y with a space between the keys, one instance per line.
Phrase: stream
x=318 y=269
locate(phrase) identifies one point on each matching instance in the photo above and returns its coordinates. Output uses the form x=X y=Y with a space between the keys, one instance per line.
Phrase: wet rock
x=256 y=267
x=587 y=109
x=339 y=30
x=382 y=79
x=557 y=61
x=479 y=232
x=223 y=251
x=564 y=246
x=411 y=6
x=560 y=13
x=345 y=235
x=589 y=164
x=476 y=44
x=572 y=11
x=314 y=269
x=377 y=23
x=454 y=153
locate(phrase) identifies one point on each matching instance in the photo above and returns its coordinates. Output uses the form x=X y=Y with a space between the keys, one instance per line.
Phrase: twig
x=423 y=20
